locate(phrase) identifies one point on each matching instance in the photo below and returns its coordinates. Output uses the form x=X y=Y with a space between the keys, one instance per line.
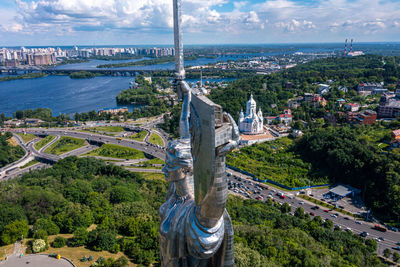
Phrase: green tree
x=120 y=194
x=14 y=231
x=46 y=224
x=299 y=212
x=59 y=242
x=80 y=237
x=387 y=252
x=100 y=240
x=9 y=213
x=40 y=234
x=121 y=262
x=19 y=114
x=396 y=257
x=285 y=208
x=371 y=244
x=73 y=217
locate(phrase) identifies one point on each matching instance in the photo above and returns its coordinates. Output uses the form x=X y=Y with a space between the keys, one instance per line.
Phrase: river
x=64 y=95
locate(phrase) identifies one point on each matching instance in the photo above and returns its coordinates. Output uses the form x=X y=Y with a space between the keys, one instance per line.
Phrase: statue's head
x=179 y=161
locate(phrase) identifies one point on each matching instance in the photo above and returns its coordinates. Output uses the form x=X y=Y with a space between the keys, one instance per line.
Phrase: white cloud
x=268 y=19
x=296 y=25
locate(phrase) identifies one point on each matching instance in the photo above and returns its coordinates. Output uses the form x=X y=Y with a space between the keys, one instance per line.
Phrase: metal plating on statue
x=195 y=228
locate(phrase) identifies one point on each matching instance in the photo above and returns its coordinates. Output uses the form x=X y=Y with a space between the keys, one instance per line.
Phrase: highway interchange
x=390 y=238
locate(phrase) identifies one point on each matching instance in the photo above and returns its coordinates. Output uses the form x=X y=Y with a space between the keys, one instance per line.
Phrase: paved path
x=35 y=260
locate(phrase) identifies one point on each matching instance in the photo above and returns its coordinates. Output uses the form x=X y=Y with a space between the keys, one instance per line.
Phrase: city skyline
x=124 y=22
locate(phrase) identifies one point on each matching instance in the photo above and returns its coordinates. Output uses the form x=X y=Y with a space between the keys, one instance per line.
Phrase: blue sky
x=135 y=22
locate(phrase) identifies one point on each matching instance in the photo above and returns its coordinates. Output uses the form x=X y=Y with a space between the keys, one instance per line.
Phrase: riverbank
x=33 y=75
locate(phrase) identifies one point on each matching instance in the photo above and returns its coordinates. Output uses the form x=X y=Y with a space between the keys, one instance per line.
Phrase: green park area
x=108 y=129
x=64 y=145
x=116 y=151
x=140 y=136
x=27 y=137
x=155 y=161
x=39 y=145
x=156 y=139
x=275 y=161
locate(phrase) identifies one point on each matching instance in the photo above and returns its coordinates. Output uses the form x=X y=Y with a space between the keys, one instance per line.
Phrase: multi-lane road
x=343 y=221
x=150 y=149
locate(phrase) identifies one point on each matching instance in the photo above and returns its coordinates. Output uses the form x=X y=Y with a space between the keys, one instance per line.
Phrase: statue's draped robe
x=185 y=242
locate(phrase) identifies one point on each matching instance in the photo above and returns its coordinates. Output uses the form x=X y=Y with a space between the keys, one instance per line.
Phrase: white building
x=252 y=122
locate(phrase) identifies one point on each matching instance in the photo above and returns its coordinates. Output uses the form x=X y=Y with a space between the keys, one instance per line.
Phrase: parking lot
x=354 y=205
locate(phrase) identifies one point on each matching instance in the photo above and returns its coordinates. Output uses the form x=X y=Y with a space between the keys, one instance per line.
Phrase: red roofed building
x=286 y=118
x=352 y=107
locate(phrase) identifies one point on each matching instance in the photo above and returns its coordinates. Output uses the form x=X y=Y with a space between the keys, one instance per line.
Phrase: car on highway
x=379 y=228
x=364 y=234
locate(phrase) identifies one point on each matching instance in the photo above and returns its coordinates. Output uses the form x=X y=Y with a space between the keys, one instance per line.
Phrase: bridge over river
x=52 y=71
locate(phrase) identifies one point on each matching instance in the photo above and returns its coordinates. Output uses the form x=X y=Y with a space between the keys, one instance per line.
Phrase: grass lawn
x=9 y=249
x=145 y=167
x=75 y=253
x=27 y=137
x=155 y=161
x=108 y=129
x=277 y=162
x=156 y=139
x=30 y=163
x=64 y=145
x=140 y=136
x=44 y=142
x=116 y=151
x=153 y=176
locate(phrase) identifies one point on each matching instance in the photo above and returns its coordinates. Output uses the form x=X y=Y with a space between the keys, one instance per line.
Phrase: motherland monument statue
x=195 y=228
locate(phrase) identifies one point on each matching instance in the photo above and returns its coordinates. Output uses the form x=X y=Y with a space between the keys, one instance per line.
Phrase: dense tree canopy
x=9 y=153
x=75 y=193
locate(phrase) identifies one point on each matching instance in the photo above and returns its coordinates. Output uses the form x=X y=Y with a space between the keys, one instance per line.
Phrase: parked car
x=358 y=222
x=312 y=213
x=327 y=211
